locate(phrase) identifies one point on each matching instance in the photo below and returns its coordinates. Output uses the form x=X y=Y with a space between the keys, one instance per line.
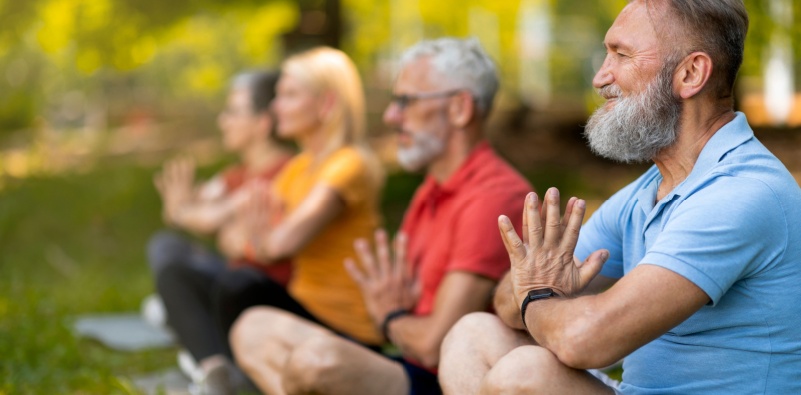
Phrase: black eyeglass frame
x=404 y=101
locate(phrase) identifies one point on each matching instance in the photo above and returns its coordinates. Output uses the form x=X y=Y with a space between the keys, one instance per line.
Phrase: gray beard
x=424 y=149
x=639 y=126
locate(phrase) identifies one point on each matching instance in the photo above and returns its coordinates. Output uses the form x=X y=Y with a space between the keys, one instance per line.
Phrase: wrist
x=392 y=316
x=534 y=296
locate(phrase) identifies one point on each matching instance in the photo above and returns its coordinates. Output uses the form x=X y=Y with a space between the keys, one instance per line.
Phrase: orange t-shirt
x=320 y=282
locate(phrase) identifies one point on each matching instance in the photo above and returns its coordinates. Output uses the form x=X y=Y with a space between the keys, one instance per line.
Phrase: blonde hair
x=327 y=70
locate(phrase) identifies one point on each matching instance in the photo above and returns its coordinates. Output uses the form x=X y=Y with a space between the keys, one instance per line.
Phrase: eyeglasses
x=404 y=101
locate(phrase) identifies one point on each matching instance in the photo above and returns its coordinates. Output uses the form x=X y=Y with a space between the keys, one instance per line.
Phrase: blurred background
x=96 y=94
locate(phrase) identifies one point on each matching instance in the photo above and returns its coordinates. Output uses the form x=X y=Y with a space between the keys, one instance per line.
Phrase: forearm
x=569 y=327
x=417 y=338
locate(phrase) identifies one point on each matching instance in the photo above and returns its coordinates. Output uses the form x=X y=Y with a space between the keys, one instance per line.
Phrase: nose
x=604 y=75
x=393 y=114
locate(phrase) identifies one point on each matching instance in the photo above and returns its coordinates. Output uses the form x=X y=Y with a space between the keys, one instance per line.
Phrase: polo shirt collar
x=462 y=174
x=727 y=138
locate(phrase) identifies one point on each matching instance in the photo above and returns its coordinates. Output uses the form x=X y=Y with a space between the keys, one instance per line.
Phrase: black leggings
x=203 y=298
x=201 y=308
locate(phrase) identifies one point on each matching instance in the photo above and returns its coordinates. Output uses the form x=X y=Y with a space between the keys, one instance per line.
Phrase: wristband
x=535 y=294
x=393 y=315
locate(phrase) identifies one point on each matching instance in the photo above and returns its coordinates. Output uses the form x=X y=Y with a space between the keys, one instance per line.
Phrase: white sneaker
x=189 y=367
x=153 y=311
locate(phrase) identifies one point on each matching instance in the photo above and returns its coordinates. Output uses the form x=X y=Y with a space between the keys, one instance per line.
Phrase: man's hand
x=544 y=258
x=387 y=286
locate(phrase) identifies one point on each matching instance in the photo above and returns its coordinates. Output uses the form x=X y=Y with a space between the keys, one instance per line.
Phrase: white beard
x=640 y=125
x=424 y=149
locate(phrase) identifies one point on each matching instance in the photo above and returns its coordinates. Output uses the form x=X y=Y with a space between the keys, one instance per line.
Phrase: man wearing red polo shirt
x=447 y=258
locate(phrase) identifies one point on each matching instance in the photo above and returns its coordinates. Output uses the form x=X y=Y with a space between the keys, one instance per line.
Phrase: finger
x=532 y=214
x=553 y=229
x=524 y=227
x=382 y=249
x=401 y=268
x=568 y=212
x=366 y=257
x=592 y=266
x=514 y=246
x=572 y=225
x=416 y=289
x=354 y=272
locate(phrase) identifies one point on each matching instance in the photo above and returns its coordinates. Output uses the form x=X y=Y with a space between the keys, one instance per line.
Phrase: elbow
x=580 y=347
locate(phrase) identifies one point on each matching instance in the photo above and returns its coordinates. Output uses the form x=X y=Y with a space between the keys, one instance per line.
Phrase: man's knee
x=525 y=369
x=470 y=329
x=314 y=364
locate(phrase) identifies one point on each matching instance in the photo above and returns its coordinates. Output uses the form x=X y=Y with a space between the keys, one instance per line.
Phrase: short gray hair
x=463 y=63
x=718 y=28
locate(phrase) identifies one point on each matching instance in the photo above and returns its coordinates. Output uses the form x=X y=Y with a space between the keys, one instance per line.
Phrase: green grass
x=73 y=245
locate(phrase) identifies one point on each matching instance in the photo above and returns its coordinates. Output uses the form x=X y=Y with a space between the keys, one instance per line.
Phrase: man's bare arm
x=509 y=312
x=421 y=337
x=596 y=331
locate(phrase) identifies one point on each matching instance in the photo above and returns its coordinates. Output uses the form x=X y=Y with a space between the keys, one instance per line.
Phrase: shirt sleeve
x=478 y=247
x=721 y=234
x=602 y=231
x=346 y=172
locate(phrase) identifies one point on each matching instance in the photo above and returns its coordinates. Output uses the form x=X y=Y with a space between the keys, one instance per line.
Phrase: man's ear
x=461 y=109
x=692 y=74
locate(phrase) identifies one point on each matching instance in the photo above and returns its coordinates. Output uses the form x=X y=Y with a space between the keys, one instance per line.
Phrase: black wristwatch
x=534 y=294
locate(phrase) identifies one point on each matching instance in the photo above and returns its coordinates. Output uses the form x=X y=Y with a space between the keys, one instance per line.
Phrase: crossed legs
x=285 y=354
x=481 y=355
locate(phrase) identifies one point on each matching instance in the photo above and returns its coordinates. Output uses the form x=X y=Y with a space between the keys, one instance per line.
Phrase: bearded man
x=448 y=257
x=690 y=274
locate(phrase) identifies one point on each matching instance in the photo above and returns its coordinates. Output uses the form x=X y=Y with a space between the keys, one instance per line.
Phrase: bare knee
x=314 y=365
x=247 y=336
x=469 y=329
x=524 y=370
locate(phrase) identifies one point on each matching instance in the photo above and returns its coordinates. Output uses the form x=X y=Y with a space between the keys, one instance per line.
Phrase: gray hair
x=717 y=28
x=463 y=63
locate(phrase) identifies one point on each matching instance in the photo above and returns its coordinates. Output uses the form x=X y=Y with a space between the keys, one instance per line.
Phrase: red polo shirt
x=454 y=226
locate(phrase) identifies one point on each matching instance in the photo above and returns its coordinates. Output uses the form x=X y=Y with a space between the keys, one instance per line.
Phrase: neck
x=313 y=142
x=262 y=155
x=697 y=126
x=458 y=148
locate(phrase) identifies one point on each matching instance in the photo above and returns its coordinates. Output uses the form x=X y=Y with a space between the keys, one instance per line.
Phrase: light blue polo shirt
x=733 y=228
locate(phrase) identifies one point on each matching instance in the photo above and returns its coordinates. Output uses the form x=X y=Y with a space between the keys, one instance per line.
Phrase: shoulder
x=497 y=178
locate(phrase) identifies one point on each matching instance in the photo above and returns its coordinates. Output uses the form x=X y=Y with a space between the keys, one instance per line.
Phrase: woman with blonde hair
x=323 y=200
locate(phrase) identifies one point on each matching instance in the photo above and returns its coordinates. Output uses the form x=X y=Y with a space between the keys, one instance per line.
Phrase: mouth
x=403 y=138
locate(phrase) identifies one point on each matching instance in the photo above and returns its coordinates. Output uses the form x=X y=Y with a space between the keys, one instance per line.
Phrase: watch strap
x=534 y=294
